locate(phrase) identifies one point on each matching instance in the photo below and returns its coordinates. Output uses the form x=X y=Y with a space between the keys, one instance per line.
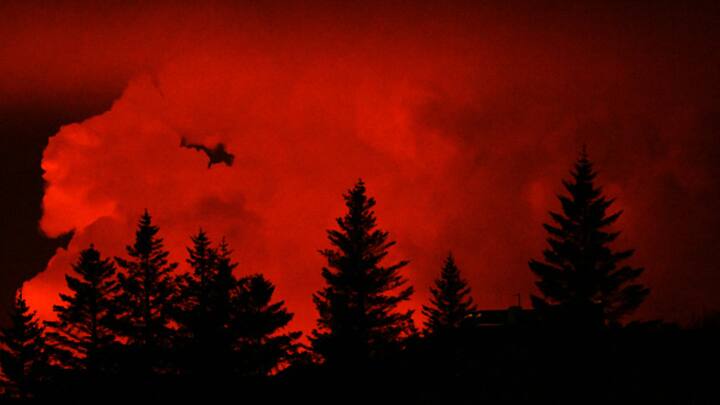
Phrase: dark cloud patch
x=216 y=154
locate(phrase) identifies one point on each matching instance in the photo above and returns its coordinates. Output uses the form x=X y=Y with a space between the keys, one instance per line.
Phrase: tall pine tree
x=86 y=321
x=358 y=316
x=451 y=307
x=147 y=289
x=582 y=280
x=24 y=354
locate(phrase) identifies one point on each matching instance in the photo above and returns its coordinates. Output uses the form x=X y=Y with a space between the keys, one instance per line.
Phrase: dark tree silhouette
x=230 y=326
x=224 y=286
x=225 y=281
x=451 y=307
x=197 y=286
x=24 y=354
x=85 y=324
x=451 y=338
x=221 y=301
x=147 y=290
x=203 y=308
x=581 y=279
x=358 y=317
x=256 y=324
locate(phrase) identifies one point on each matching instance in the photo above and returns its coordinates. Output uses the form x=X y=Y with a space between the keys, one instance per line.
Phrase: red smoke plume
x=462 y=122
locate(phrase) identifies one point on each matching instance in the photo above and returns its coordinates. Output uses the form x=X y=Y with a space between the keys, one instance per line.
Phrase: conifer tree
x=24 y=354
x=147 y=289
x=222 y=301
x=203 y=309
x=225 y=281
x=358 y=316
x=583 y=281
x=197 y=286
x=257 y=323
x=451 y=307
x=202 y=259
x=230 y=326
x=85 y=326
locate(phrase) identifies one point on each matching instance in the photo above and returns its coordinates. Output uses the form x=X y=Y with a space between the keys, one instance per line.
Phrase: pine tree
x=451 y=307
x=197 y=286
x=222 y=301
x=583 y=280
x=85 y=323
x=202 y=259
x=204 y=305
x=358 y=317
x=230 y=326
x=225 y=281
x=24 y=354
x=256 y=324
x=147 y=289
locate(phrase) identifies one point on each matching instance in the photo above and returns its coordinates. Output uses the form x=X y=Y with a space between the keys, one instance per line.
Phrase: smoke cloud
x=461 y=121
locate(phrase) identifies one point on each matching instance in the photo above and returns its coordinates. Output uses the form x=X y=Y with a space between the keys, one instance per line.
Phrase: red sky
x=462 y=120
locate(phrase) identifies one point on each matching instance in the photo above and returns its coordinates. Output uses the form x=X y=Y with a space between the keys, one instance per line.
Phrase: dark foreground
x=640 y=364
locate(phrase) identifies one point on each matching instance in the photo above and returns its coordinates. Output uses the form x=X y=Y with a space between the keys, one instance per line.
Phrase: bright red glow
x=461 y=122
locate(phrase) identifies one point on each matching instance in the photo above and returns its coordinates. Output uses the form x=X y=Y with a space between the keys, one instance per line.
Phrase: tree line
x=132 y=322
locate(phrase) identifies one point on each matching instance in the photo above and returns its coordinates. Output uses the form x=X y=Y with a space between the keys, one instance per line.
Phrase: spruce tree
x=147 y=289
x=358 y=316
x=225 y=285
x=24 y=354
x=229 y=326
x=202 y=259
x=583 y=281
x=203 y=307
x=197 y=286
x=85 y=326
x=222 y=302
x=257 y=322
x=451 y=306
x=225 y=282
